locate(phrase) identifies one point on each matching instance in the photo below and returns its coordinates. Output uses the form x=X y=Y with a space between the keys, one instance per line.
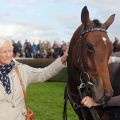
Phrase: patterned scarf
x=4 y=70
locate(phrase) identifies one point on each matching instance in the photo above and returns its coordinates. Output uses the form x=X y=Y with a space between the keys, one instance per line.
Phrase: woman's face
x=6 y=53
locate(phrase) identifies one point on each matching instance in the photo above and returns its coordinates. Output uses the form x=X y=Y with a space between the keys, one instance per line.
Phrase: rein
x=68 y=93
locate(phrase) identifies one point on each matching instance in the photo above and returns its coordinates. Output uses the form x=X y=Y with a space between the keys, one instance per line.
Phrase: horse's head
x=91 y=44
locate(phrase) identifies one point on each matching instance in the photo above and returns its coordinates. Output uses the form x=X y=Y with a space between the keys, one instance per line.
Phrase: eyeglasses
x=6 y=52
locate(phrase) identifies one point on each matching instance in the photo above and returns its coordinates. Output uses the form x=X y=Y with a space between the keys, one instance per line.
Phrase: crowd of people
x=41 y=50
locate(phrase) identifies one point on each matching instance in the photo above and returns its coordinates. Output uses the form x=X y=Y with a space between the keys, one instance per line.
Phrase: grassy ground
x=46 y=100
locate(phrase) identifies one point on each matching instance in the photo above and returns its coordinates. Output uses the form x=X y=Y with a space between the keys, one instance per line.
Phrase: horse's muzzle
x=103 y=101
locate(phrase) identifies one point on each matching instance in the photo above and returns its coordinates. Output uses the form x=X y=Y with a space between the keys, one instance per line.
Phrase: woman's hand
x=64 y=57
x=89 y=102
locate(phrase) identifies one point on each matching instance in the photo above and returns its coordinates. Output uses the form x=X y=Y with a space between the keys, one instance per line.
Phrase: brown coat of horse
x=88 y=56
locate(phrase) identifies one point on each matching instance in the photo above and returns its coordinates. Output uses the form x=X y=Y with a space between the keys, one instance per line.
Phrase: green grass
x=47 y=99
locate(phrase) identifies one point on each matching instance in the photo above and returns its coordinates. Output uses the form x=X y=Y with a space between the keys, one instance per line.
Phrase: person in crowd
x=112 y=108
x=19 y=47
x=34 y=49
x=27 y=49
x=15 y=49
x=12 y=104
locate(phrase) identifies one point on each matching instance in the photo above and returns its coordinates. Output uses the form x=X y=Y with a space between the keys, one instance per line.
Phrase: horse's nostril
x=105 y=98
x=107 y=94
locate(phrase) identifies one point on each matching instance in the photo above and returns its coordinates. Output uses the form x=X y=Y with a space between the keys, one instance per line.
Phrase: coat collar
x=16 y=62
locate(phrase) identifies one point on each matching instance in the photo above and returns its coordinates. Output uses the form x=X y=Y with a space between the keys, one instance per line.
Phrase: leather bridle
x=68 y=94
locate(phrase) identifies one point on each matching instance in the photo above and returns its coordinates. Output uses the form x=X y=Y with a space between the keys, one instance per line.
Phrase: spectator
x=34 y=50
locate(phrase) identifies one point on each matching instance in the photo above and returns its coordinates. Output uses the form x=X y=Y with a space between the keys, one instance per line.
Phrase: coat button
x=13 y=106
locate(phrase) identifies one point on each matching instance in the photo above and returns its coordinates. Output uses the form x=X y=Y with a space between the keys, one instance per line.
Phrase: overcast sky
x=53 y=19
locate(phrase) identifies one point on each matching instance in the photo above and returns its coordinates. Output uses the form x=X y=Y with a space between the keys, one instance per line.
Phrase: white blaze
x=104 y=40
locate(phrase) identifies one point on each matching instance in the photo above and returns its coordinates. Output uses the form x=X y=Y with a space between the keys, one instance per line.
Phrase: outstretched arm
x=114 y=101
x=90 y=102
x=35 y=75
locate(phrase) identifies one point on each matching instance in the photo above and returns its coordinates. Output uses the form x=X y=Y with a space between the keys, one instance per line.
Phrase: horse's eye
x=89 y=47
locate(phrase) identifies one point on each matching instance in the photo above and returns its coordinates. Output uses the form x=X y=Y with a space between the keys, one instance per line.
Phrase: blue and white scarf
x=4 y=71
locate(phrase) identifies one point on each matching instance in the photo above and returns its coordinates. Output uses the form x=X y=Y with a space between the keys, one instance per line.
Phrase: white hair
x=3 y=40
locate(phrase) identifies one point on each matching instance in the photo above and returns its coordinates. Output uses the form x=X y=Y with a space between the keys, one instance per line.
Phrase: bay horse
x=87 y=66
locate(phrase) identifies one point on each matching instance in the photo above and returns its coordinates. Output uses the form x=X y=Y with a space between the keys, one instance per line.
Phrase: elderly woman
x=12 y=104
x=112 y=109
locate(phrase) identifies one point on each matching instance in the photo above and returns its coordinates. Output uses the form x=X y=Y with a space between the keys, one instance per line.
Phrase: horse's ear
x=109 y=21
x=85 y=16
